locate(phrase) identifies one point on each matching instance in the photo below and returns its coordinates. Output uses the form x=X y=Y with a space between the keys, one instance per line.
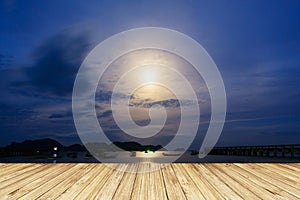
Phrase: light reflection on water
x=137 y=156
x=158 y=157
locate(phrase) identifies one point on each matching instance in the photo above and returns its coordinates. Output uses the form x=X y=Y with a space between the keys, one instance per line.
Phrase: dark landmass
x=134 y=146
x=33 y=147
x=49 y=150
x=50 y=146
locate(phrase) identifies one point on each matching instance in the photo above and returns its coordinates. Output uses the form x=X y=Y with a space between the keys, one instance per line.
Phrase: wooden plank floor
x=174 y=181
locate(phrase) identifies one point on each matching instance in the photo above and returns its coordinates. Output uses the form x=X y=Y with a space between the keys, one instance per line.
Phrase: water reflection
x=139 y=156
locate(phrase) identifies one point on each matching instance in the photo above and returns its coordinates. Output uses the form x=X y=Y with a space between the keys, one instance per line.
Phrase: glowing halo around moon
x=149 y=75
x=130 y=127
x=100 y=58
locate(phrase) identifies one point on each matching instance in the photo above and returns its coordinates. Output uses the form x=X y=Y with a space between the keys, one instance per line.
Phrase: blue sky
x=255 y=44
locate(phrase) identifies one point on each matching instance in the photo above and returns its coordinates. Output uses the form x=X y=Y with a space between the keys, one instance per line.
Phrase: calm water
x=124 y=157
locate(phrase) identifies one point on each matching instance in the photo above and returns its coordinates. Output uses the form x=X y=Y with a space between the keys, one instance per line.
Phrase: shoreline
x=185 y=158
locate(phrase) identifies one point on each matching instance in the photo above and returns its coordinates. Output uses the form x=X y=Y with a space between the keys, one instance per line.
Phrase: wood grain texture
x=150 y=181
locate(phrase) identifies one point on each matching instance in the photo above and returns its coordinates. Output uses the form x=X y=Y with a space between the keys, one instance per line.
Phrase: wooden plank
x=51 y=183
x=244 y=192
x=17 y=171
x=109 y=188
x=61 y=187
x=100 y=179
x=293 y=178
x=277 y=192
x=245 y=181
x=295 y=164
x=38 y=181
x=227 y=192
x=124 y=191
x=202 y=183
x=141 y=184
x=290 y=173
x=8 y=168
x=189 y=187
x=173 y=187
x=82 y=183
x=11 y=185
x=157 y=188
x=294 y=168
x=288 y=190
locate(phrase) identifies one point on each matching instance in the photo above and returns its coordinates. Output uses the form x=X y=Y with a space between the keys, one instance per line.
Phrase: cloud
x=103 y=96
x=5 y=61
x=55 y=64
x=106 y=95
x=56 y=116
x=169 y=103
x=7 y=112
x=106 y=114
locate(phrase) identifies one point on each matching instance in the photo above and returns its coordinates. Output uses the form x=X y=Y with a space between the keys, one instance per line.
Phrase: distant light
x=55 y=148
x=149 y=75
x=147 y=151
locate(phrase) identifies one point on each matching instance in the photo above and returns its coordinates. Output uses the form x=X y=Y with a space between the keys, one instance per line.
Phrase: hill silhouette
x=32 y=147
x=46 y=144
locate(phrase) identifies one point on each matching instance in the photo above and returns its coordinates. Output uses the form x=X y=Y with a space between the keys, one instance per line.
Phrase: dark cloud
x=103 y=96
x=12 y=114
x=56 y=116
x=5 y=61
x=169 y=103
x=55 y=64
x=105 y=114
x=106 y=95
x=67 y=113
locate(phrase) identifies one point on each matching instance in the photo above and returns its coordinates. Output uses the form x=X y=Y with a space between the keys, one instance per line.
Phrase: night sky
x=255 y=44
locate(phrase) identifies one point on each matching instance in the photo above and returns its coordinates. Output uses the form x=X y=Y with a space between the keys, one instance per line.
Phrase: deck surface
x=174 y=181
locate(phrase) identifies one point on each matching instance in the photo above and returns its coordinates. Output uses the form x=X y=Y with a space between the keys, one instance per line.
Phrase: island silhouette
x=47 y=146
x=50 y=150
